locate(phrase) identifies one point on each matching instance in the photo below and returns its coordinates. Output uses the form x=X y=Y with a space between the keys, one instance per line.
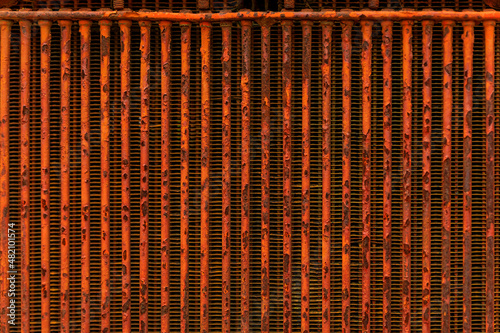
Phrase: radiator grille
x=478 y=253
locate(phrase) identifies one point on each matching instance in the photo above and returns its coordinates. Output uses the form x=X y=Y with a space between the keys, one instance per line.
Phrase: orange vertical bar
x=85 y=173
x=287 y=176
x=246 y=49
x=265 y=172
x=226 y=176
x=387 y=174
x=206 y=41
x=125 y=170
x=105 y=27
x=489 y=39
x=407 y=119
x=446 y=205
x=144 y=211
x=25 y=173
x=426 y=173
x=326 y=72
x=65 y=171
x=45 y=39
x=185 y=82
x=468 y=39
x=165 y=28
x=346 y=175
x=366 y=65
x=5 y=268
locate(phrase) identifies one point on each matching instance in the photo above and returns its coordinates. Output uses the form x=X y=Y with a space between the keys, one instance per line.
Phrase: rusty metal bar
x=203 y=4
x=446 y=205
x=65 y=171
x=468 y=39
x=85 y=173
x=5 y=36
x=407 y=119
x=287 y=175
x=226 y=176
x=185 y=81
x=183 y=16
x=105 y=35
x=246 y=50
x=387 y=174
x=45 y=39
x=306 y=171
x=326 y=72
x=25 y=67
x=265 y=171
x=426 y=173
x=489 y=39
x=346 y=175
x=165 y=29
x=144 y=211
x=125 y=171
x=366 y=65
x=206 y=41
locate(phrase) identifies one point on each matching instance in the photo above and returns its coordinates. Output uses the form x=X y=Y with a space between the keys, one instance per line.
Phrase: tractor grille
x=301 y=170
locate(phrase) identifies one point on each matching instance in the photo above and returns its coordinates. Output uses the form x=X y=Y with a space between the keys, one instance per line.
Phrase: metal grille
x=251 y=171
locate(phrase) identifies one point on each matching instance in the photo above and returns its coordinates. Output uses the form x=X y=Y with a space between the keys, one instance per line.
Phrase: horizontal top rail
x=325 y=15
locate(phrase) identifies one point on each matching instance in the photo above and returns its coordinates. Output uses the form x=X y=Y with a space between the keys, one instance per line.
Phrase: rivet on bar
x=326 y=72
x=306 y=173
x=426 y=173
x=65 y=172
x=287 y=176
x=185 y=82
x=206 y=41
x=45 y=39
x=446 y=164
x=25 y=67
x=226 y=176
x=85 y=173
x=246 y=49
x=105 y=35
x=165 y=29
x=387 y=174
x=366 y=65
x=489 y=39
x=144 y=210
x=5 y=40
x=468 y=40
x=125 y=172
x=265 y=171
x=407 y=122
x=346 y=175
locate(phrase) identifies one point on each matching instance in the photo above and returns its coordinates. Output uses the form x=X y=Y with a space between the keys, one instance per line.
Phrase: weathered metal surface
x=265 y=171
x=406 y=176
x=65 y=172
x=185 y=82
x=206 y=40
x=446 y=176
x=85 y=173
x=366 y=67
x=326 y=72
x=166 y=39
x=426 y=173
x=489 y=40
x=287 y=176
x=346 y=175
x=468 y=45
x=25 y=172
x=45 y=40
x=226 y=177
x=125 y=172
x=246 y=49
x=386 y=49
